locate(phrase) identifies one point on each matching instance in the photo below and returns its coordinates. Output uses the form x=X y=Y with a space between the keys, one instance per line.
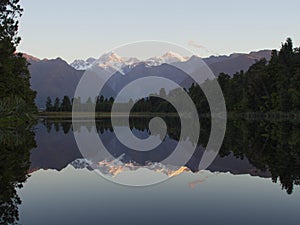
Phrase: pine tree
x=15 y=91
x=49 y=106
x=66 y=104
x=57 y=107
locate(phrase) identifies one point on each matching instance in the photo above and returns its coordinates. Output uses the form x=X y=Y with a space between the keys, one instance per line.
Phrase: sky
x=73 y=29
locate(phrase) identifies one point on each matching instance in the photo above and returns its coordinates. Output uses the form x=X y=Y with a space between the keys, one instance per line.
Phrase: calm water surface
x=254 y=179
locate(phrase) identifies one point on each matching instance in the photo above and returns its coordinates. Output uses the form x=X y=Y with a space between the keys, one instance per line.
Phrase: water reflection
x=273 y=147
x=259 y=148
x=15 y=146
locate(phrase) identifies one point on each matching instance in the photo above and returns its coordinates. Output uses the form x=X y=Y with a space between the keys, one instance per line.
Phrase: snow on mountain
x=108 y=61
x=80 y=64
x=113 y=167
x=169 y=57
x=131 y=60
x=112 y=62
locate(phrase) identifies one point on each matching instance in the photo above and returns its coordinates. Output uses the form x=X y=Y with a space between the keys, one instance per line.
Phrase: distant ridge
x=30 y=58
x=56 y=78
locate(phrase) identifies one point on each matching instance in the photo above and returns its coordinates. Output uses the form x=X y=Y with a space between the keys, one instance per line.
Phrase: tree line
x=266 y=86
x=102 y=104
x=272 y=86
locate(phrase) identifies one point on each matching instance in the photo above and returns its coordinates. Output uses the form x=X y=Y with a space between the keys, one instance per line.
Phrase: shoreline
x=255 y=116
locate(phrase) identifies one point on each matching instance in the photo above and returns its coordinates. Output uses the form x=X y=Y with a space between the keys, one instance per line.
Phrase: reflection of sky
x=81 y=197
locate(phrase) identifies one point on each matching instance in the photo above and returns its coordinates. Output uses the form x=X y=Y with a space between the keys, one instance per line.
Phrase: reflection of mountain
x=113 y=167
x=56 y=78
x=250 y=147
x=57 y=149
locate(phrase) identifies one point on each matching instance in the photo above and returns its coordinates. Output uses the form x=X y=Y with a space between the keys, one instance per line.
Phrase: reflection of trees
x=268 y=146
x=15 y=146
x=66 y=127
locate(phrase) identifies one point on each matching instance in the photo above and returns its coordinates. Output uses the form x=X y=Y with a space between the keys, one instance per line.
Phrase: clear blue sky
x=79 y=29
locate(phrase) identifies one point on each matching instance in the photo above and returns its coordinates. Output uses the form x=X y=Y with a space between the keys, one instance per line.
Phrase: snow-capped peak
x=131 y=61
x=108 y=61
x=171 y=57
x=112 y=62
x=80 y=64
x=110 y=57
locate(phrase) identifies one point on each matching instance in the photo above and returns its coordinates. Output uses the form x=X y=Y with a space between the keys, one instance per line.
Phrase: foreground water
x=253 y=180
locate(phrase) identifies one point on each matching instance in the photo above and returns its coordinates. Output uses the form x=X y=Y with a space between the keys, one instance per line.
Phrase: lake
x=253 y=180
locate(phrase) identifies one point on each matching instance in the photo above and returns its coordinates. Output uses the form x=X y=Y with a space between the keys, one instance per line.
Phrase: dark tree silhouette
x=16 y=97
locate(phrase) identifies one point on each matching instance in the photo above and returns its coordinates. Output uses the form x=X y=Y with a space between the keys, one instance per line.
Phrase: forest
x=272 y=86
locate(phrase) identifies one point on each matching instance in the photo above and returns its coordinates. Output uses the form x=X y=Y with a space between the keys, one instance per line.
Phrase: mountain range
x=56 y=78
x=57 y=149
